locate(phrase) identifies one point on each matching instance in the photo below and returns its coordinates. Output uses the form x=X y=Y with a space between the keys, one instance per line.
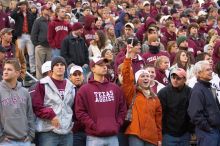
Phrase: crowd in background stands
x=163 y=54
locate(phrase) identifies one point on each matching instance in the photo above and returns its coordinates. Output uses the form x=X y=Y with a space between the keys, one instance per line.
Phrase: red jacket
x=57 y=31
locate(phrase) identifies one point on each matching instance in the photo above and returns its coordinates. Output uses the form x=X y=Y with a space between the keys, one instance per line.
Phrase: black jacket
x=203 y=107
x=39 y=32
x=175 y=119
x=19 y=19
x=74 y=50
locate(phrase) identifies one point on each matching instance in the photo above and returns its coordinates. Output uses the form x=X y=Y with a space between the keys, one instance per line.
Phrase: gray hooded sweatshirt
x=16 y=114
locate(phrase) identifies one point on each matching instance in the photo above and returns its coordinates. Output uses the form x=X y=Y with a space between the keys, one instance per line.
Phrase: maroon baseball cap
x=97 y=61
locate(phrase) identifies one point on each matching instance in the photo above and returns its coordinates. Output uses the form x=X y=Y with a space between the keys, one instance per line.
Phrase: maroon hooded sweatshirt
x=57 y=31
x=150 y=58
x=197 y=44
x=144 y=28
x=101 y=108
x=89 y=32
x=166 y=37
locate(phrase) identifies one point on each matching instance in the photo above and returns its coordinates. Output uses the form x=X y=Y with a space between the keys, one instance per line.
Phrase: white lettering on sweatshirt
x=89 y=36
x=106 y=96
x=59 y=28
x=153 y=58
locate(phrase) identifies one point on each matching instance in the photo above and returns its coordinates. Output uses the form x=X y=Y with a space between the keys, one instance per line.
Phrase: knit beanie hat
x=56 y=60
x=180 y=39
x=76 y=26
x=152 y=38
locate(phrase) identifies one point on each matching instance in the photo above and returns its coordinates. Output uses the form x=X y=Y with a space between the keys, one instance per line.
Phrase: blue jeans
x=53 y=139
x=55 y=52
x=14 y=143
x=135 y=141
x=122 y=139
x=101 y=141
x=211 y=138
x=169 y=140
x=79 y=139
x=24 y=42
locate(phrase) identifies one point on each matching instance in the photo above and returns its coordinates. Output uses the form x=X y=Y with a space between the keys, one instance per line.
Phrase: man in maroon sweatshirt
x=58 y=29
x=100 y=106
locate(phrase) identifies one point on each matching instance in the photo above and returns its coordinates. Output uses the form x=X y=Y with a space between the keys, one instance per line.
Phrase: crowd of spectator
x=110 y=73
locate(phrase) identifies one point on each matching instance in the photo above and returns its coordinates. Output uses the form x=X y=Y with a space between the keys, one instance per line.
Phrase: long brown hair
x=102 y=39
x=178 y=61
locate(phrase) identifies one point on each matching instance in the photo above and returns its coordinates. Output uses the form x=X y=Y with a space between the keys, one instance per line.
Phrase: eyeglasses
x=77 y=74
x=176 y=77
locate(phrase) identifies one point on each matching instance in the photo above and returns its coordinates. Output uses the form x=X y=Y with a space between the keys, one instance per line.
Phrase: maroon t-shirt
x=60 y=84
x=9 y=52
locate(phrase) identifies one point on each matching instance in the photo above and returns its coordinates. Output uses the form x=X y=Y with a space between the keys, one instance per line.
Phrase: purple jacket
x=101 y=108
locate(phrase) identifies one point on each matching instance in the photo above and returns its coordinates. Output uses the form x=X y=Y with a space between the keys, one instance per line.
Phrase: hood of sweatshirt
x=88 y=21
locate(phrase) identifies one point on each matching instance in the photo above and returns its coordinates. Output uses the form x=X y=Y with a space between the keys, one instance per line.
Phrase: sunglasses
x=176 y=77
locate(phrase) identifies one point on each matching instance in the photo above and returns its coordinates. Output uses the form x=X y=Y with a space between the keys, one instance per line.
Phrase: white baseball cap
x=146 y=2
x=46 y=67
x=130 y=25
x=75 y=68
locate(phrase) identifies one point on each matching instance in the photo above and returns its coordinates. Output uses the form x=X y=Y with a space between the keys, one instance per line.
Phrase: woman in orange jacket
x=145 y=128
